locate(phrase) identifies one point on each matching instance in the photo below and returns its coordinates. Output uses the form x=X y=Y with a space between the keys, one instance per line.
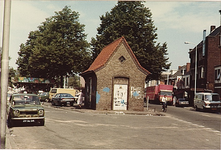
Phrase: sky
x=176 y=22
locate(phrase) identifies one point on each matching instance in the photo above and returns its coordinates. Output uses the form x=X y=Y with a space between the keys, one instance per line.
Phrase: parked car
x=25 y=108
x=207 y=101
x=63 y=99
x=182 y=102
x=44 y=96
x=54 y=91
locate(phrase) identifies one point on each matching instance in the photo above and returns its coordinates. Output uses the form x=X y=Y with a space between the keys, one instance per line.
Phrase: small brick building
x=115 y=80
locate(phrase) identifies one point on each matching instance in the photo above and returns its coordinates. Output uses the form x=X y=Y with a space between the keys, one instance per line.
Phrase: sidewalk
x=149 y=112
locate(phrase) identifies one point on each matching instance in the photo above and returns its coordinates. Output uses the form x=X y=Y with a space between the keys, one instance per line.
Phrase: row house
x=217 y=84
x=208 y=62
x=181 y=79
x=181 y=82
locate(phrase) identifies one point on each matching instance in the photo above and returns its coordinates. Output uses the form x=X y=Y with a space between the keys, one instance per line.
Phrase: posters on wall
x=120 y=97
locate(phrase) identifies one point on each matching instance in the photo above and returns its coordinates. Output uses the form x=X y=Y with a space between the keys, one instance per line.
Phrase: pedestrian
x=174 y=100
x=80 y=99
x=164 y=101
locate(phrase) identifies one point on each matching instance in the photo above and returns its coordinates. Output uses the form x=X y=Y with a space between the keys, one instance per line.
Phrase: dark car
x=44 y=96
x=182 y=102
x=63 y=99
x=25 y=108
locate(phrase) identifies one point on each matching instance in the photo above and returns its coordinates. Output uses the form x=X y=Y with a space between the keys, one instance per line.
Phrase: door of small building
x=120 y=94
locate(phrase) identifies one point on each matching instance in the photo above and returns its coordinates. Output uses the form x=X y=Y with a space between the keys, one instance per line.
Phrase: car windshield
x=25 y=99
x=212 y=97
x=182 y=99
x=66 y=95
x=43 y=94
x=166 y=93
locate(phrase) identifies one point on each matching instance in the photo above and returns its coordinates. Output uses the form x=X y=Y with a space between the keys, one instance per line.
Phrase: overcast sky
x=176 y=22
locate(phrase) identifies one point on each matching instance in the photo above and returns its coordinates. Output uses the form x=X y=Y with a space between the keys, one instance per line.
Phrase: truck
x=154 y=94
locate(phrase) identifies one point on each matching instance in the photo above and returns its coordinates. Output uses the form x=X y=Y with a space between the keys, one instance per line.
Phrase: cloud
x=23 y=16
x=191 y=16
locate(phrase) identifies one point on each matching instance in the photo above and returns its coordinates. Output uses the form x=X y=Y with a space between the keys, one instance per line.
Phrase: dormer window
x=122 y=59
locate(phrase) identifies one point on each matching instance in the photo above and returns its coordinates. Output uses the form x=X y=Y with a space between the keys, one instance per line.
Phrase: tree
x=74 y=81
x=11 y=75
x=133 y=21
x=58 y=47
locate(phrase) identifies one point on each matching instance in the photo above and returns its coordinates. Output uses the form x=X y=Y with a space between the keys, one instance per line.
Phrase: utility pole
x=4 y=69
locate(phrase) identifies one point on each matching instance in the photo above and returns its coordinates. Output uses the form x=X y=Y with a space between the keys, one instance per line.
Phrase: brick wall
x=127 y=70
x=213 y=58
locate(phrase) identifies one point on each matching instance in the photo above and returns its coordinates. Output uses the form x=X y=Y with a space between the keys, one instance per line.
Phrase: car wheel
x=46 y=100
x=196 y=108
x=52 y=102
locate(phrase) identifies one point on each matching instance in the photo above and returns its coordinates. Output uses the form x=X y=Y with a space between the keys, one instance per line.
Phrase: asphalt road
x=207 y=119
x=67 y=128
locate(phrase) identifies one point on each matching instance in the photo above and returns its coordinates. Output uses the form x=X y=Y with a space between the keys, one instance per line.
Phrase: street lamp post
x=195 y=67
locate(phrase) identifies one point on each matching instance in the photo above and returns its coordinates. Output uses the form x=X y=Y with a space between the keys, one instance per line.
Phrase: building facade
x=208 y=62
x=217 y=85
x=115 y=80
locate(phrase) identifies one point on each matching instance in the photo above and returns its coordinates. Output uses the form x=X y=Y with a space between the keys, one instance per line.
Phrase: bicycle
x=164 y=107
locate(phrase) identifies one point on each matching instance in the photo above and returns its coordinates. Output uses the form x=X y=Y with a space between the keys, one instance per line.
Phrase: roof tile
x=105 y=54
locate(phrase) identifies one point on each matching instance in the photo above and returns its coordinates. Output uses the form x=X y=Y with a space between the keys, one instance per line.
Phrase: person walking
x=80 y=99
x=164 y=101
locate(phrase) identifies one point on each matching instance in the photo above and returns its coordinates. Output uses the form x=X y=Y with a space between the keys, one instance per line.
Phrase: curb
x=9 y=143
x=149 y=112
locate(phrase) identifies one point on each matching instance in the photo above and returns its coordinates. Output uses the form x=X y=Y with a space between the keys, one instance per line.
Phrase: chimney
x=187 y=67
x=204 y=43
x=212 y=28
x=220 y=16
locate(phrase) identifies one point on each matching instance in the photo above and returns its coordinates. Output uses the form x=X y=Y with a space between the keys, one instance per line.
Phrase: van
x=54 y=91
x=210 y=101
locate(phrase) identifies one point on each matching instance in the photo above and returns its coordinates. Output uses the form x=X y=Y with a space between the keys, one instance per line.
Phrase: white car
x=209 y=101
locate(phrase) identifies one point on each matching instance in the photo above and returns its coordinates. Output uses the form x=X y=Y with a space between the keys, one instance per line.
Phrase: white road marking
x=197 y=125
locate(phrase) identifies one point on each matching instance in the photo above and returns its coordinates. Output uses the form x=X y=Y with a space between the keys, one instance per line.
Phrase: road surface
x=67 y=128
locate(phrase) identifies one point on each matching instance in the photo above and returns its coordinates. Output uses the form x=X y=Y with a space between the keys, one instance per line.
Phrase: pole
x=195 y=72
x=4 y=69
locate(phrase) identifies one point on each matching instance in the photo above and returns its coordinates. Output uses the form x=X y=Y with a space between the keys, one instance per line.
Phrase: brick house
x=115 y=80
x=208 y=61
x=217 y=85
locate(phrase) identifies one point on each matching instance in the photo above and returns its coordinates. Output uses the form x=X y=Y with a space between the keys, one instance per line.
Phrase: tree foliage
x=11 y=75
x=58 y=47
x=133 y=20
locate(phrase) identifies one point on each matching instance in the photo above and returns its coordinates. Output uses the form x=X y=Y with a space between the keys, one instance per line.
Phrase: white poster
x=120 y=97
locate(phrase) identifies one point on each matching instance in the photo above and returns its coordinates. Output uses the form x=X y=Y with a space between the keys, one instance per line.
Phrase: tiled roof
x=105 y=54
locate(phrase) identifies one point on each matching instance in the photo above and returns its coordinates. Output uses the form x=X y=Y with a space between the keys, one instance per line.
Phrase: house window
x=217 y=74
x=184 y=82
x=122 y=59
x=219 y=40
x=202 y=72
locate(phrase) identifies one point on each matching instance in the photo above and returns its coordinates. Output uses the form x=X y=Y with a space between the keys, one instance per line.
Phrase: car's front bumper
x=29 y=118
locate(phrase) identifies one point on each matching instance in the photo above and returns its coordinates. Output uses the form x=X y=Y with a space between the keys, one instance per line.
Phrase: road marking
x=197 y=125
